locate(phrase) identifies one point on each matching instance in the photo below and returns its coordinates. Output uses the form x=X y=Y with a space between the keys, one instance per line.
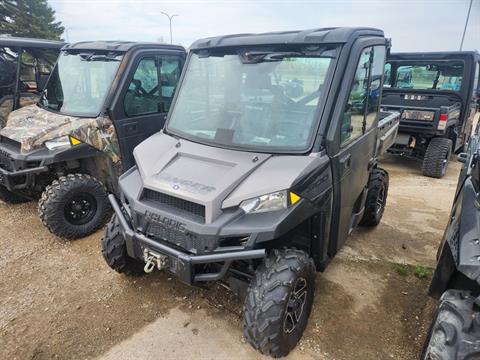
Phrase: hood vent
x=176 y=205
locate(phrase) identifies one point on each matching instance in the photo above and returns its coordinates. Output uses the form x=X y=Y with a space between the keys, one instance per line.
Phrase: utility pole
x=170 y=17
x=66 y=33
x=466 y=24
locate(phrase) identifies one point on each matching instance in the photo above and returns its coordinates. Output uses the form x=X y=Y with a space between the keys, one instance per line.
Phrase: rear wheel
x=376 y=198
x=455 y=331
x=436 y=158
x=74 y=206
x=10 y=197
x=114 y=251
x=279 y=301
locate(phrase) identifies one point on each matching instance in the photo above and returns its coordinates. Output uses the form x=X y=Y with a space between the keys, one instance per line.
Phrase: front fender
x=460 y=248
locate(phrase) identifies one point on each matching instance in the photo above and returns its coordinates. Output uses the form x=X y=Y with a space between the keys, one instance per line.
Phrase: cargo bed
x=388 y=125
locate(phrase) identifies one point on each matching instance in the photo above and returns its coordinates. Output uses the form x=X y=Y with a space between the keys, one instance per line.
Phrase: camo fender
x=99 y=133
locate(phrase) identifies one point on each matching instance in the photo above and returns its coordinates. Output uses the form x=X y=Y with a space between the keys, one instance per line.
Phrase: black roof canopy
x=120 y=46
x=432 y=56
x=311 y=36
x=30 y=43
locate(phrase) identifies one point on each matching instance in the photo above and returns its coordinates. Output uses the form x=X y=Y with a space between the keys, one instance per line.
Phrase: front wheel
x=74 y=206
x=114 y=251
x=279 y=301
x=455 y=330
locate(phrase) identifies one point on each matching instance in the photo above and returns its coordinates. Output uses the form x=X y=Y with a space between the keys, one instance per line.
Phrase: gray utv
x=455 y=330
x=267 y=162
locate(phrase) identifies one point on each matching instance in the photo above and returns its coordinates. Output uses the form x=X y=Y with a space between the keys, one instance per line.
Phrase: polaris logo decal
x=165 y=222
x=187 y=185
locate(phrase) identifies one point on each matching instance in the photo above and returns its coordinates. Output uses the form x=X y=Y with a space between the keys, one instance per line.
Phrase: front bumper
x=180 y=263
x=18 y=170
x=20 y=179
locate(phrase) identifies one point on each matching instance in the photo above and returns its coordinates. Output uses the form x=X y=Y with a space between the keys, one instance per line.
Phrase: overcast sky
x=416 y=25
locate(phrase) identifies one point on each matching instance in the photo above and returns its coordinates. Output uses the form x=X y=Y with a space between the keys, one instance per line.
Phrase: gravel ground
x=59 y=300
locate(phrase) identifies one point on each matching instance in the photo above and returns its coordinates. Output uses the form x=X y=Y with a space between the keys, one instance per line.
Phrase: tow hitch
x=154 y=260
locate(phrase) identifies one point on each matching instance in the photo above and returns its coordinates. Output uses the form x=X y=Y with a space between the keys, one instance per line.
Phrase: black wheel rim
x=296 y=305
x=445 y=162
x=80 y=208
x=381 y=199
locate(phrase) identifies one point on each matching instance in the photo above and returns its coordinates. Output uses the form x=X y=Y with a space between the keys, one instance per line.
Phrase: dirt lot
x=59 y=300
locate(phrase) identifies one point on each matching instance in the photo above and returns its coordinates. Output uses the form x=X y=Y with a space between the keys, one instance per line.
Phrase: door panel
x=144 y=103
x=357 y=134
x=468 y=125
x=8 y=75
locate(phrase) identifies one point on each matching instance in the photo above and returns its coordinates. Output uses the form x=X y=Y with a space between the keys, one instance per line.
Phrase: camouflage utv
x=101 y=100
x=25 y=65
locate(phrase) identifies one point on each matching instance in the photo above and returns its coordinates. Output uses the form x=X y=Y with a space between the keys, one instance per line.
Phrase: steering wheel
x=289 y=128
x=139 y=90
x=234 y=115
x=306 y=99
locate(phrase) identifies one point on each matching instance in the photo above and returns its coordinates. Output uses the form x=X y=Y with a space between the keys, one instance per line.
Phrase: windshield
x=80 y=82
x=425 y=76
x=258 y=100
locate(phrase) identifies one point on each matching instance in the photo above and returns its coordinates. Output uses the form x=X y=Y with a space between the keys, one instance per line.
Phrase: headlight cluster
x=270 y=202
x=61 y=142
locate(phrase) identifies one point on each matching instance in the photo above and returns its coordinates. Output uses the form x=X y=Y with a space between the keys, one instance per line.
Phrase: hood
x=214 y=177
x=31 y=126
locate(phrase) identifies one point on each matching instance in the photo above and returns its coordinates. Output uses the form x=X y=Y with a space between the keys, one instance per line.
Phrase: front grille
x=196 y=211
x=173 y=236
x=5 y=160
x=183 y=240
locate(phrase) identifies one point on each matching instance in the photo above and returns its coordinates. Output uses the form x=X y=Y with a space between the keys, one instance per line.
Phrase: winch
x=154 y=260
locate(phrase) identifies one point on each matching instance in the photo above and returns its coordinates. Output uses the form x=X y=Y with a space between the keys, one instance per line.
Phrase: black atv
x=455 y=331
x=437 y=95
x=25 y=65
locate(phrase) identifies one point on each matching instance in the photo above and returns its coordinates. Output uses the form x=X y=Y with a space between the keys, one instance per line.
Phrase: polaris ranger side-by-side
x=25 y=65
x=101 y=100
x=455 y=330
x=437 y=95
x=267 y=162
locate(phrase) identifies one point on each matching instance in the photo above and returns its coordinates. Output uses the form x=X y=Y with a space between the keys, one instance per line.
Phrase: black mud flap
x=443 y=272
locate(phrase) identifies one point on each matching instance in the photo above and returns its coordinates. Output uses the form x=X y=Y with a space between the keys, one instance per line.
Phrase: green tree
x=29 y=18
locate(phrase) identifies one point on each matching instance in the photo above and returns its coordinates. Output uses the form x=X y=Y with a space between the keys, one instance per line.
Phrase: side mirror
x=462 y=157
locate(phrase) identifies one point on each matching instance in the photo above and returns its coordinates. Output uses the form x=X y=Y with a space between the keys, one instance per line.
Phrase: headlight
x=270 y=202
x=61 y=142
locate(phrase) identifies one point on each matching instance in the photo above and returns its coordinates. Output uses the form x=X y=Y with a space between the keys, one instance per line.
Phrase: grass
x=402 y=269
x=420 y=271
x=423 y=271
